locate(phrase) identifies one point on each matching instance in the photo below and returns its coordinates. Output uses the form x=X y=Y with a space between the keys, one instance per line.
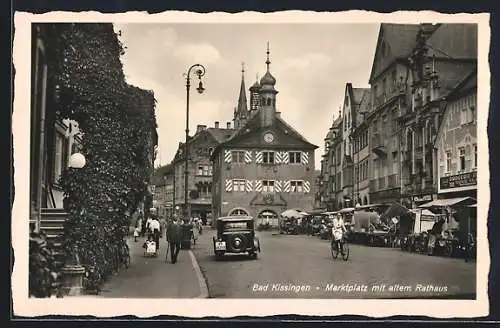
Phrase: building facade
x=163 y=190
x=201 y=146
x=361 y=147
x=444 y=54
x=331 y=168
x=391 y=140
x=390 y=94
x=266 y=166
x=456 y=143
x=53 y=139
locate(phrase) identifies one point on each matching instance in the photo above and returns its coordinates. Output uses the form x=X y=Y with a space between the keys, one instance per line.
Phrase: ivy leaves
x=118 y=124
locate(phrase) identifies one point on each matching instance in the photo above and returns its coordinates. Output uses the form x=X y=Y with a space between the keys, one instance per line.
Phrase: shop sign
x=422 y=198
x=459 y=180
x=384 y=194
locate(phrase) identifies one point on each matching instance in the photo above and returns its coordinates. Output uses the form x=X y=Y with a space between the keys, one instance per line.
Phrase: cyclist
x=338 y=226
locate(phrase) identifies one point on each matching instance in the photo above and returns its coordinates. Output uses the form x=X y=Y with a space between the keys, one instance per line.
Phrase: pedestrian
x=136 y=233
x=174 y=239
x=154 y=227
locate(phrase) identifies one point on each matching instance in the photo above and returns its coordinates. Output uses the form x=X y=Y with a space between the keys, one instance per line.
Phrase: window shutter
x=307 y=186
x=258 y=157
x=249 y=185
x=227 y=156
x=277 y=186
x=229 y=185
x=305 y=158
x=285 y=159
x=248 y=156
x=286 y=186
x=258 y=185
x=278 y=157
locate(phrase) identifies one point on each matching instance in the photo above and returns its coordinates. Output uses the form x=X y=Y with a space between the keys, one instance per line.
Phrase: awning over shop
x=347 y=209
x=395 y=209
x=449 y=202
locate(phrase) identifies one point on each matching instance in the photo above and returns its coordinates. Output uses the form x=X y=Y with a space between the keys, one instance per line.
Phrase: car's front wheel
x=253 y=255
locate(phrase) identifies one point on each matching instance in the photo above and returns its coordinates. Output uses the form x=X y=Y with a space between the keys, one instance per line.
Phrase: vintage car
x=235 y=235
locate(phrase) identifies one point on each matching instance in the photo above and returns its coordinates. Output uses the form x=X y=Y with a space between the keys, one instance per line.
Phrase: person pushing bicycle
x=338 y=231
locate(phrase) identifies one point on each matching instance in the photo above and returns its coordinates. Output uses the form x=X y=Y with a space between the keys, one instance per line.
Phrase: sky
x=311 y=63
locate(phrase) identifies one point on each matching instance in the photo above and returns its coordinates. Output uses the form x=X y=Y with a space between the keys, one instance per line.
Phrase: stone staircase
x=52 y=224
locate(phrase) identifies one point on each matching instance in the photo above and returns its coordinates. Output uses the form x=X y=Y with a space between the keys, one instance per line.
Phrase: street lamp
x=73 y=271
x=197 y=70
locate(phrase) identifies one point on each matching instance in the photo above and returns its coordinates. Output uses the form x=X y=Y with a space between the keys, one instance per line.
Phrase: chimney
x=216 y=124
x=228 y=125
x=278 y=114
x=200 y=128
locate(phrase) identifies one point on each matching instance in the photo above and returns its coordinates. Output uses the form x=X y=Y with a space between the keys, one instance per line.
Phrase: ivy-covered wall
x=118 y=124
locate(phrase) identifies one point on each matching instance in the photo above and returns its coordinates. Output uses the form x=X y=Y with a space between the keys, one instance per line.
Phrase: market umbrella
x=395 y=209
x=292 y=214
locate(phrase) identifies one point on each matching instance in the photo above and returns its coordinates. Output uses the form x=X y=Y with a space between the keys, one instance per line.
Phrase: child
x=150 y=246
x=136 y=233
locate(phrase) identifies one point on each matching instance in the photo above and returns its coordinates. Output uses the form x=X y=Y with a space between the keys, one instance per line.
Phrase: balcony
x=378 y=146
x=381 y=183
x=397 y=89
x=393 y=181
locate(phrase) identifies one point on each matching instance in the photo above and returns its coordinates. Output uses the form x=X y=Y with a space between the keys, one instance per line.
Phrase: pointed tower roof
x=242 y=100
x=268 y=79
x=256 y=85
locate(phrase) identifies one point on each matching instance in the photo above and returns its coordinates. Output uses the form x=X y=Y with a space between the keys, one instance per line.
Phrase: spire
x=242 y=100
x=268 y=61
x=268 y=78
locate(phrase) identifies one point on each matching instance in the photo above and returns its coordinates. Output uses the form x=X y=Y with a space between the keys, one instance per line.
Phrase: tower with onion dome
x=267 y=95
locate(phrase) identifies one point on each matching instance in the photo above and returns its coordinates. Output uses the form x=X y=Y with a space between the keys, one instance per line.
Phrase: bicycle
x=338 y=245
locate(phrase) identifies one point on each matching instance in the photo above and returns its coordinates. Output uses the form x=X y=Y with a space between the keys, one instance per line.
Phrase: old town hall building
x=266 y=166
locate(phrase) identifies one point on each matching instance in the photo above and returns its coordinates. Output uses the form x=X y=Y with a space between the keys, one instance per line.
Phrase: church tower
x=241 y=112
x=267 y=94
x=255 y=97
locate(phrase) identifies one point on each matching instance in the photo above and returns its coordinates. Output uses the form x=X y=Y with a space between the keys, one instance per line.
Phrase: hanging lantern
x=77 y=161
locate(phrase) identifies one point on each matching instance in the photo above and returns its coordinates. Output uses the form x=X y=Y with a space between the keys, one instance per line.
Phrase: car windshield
x=237 y=225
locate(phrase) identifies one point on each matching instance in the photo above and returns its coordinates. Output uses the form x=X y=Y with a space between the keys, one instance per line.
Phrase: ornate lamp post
x=199 y=71
x=73 y=271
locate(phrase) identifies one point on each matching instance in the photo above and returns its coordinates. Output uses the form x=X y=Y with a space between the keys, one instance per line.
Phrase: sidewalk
x=151 y=277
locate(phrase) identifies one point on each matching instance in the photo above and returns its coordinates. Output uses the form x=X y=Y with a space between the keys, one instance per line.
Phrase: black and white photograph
x=244 y=158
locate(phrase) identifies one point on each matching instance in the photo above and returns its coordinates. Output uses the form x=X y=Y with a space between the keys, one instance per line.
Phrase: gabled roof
x=469 y=82
x=220 y=135
x=400 y=39
x=160 y=172
x=253 y=125
x=454 y=41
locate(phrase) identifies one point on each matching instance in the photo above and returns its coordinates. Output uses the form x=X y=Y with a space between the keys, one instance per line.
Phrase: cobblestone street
x=306 y=261
x=151 y=277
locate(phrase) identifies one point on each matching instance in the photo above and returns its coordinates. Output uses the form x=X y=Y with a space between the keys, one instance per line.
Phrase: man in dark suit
x=174 y=239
